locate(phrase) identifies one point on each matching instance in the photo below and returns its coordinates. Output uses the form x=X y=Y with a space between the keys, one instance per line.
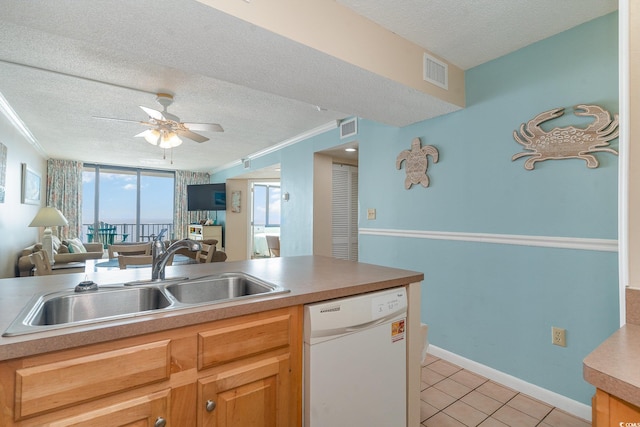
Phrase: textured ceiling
x=63 y=62
x=468 y=33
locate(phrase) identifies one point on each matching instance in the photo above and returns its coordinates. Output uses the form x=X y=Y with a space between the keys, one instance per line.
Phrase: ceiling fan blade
x=192 y=135
x=204 y=127
x=154 y=114
x=160 y=115
x=120 y=120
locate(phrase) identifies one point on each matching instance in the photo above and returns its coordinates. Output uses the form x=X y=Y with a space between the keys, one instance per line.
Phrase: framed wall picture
x=235 y=201
x=31 y=184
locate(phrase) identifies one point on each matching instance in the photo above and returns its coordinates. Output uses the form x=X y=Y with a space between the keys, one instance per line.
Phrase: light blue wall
x=494 y=303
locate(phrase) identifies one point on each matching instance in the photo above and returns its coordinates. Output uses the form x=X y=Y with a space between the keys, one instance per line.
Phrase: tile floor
x=455 y=397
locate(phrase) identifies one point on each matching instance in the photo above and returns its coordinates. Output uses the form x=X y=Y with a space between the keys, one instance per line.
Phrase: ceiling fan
x=165 y=129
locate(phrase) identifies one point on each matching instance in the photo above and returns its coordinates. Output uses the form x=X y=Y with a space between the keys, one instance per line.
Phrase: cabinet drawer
x=56 y=385
x=241 y=340
x=143 y=411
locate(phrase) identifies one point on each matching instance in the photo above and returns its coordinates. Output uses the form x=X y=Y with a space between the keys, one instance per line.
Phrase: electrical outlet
x=558 y=336
x=371 y=213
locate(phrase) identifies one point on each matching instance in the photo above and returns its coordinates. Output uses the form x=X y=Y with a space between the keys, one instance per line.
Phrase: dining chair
x=129 y=249
x=205 y=254
x=41 y=260
x=273 y=243
x=125 y=261
x=134 y=260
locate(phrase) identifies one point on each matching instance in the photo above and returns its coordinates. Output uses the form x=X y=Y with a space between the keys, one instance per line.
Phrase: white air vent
x=246 y=163
x=436 y=72
x=348 y=128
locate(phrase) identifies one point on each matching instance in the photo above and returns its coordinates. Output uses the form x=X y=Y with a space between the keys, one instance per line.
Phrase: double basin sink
x=70 y=308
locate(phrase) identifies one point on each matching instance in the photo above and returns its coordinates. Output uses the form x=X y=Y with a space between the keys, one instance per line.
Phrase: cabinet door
x=256 y=395
x=610 y=411
x=145 y=411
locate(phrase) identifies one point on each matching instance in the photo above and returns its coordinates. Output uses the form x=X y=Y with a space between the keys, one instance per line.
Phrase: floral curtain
x=64 y=192
x=182 y=217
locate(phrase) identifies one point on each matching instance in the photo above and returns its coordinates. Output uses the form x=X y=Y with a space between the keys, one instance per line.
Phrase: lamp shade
x=48 y=217
x=169 y=140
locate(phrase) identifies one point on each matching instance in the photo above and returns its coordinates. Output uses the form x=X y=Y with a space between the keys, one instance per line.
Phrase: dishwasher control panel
x=388 y=303
x=346 y=315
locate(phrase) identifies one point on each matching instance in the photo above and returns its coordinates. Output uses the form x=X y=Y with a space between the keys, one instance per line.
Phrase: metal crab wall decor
x=416 y=163
x=567 y=142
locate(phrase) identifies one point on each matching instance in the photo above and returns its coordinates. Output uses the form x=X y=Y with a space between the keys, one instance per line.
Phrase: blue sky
x=259 y=192
x=118 y=193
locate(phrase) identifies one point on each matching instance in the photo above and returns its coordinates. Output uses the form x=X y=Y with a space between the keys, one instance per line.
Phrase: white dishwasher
x=355 y=355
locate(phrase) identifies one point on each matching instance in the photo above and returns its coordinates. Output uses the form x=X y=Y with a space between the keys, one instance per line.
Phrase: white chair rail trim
x=588 y=244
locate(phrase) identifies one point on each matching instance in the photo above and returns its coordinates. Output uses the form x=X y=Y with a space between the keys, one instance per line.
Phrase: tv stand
x=205 y=232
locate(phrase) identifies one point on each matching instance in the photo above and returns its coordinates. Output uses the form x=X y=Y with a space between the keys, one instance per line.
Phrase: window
x=126 y=204
x=266 y=205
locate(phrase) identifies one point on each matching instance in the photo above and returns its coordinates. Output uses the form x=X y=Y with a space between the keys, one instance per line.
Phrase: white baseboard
x=564 y=403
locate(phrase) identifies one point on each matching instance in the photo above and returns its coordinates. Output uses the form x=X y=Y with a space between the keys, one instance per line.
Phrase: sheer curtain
x=182 y=218
x=64 y=192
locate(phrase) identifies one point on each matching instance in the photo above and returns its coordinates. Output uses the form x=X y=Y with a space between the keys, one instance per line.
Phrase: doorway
x=265 y=216
x=335 y=200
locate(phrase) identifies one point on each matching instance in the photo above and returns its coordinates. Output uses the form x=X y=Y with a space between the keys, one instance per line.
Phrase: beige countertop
x=309 y=279
x=614 y=366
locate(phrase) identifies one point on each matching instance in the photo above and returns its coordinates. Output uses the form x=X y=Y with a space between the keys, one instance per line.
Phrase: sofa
x=62 y=254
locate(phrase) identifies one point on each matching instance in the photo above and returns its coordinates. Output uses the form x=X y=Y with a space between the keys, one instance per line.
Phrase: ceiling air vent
x=436 y=71
x=348 y=128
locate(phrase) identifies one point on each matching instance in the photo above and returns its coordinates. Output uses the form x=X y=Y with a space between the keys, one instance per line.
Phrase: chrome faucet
x=160 y=256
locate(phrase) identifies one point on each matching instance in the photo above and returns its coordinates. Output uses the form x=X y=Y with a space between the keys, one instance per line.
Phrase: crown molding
x=279 y=146
x=17 y=123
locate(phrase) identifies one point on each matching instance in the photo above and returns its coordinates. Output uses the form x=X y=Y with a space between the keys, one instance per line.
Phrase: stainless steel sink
x=220 y=288
x=64 y=308
x=67 y=308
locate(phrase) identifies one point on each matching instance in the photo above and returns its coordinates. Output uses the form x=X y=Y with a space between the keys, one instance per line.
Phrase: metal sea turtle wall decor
x=416 y=163
x=567 y=142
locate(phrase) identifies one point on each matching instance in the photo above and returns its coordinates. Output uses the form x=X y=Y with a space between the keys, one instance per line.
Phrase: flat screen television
x=206 y=197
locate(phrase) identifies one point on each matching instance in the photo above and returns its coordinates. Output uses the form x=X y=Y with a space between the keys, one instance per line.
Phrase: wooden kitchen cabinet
x=247 y=396
x=253 y=393
x=610 y=411
x=239 y=371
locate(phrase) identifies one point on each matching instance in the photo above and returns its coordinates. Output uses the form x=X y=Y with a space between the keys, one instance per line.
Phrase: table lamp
x=48 y=217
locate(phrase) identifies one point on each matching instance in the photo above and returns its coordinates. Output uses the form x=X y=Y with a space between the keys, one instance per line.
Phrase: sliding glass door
x=126 y=204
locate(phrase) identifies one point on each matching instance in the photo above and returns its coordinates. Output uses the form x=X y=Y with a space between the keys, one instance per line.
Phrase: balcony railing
x=115 y=233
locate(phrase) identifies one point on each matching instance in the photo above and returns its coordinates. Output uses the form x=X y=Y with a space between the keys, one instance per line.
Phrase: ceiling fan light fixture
x=152 y=136
x=169 y=140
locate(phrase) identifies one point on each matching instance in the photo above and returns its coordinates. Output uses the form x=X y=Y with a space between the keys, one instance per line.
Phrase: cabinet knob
x=160 y=422
x=211 y=405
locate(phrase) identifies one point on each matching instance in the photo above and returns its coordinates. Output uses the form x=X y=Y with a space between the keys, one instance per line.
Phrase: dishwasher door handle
x=365 y=325
x=374 y=322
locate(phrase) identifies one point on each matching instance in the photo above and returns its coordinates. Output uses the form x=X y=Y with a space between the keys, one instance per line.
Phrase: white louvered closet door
x=344 y=228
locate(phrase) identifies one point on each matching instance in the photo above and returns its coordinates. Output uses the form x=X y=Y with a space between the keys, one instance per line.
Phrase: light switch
x=371 y=213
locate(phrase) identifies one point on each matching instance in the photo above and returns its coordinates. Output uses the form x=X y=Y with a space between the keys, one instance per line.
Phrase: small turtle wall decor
x=416 y=163
x=567 y=142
